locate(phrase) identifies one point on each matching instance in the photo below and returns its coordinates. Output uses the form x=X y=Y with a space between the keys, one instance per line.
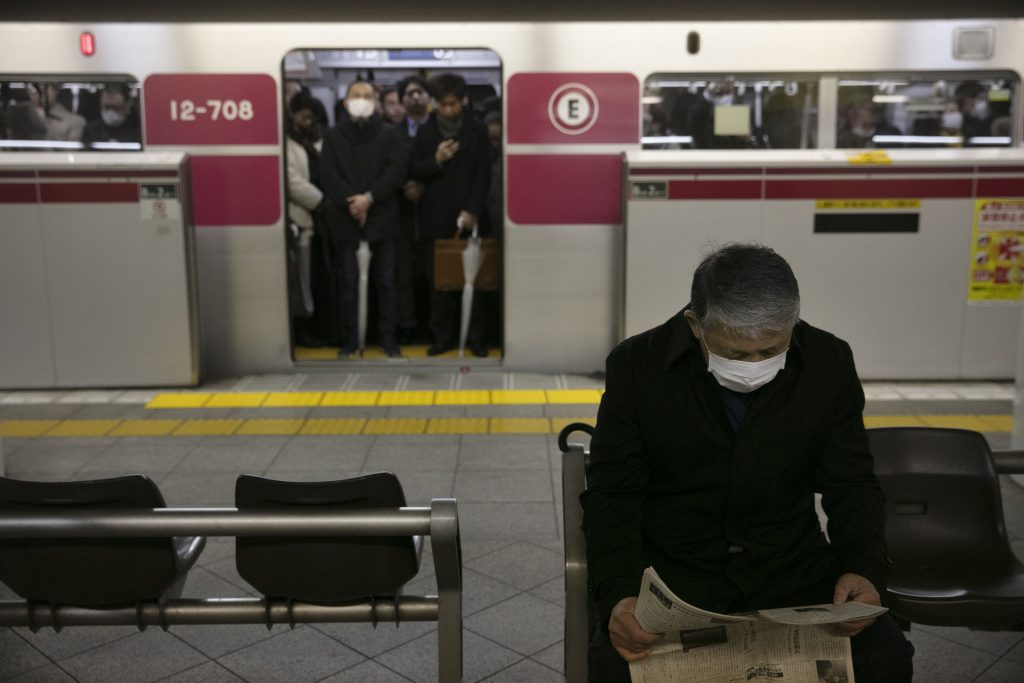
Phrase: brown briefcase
x=448 y=275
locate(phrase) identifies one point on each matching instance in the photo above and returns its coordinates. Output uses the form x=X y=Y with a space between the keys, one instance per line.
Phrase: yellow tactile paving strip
x=285 y=399
x=390 y=426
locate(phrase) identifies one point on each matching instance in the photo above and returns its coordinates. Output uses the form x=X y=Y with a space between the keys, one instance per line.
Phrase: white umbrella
x=363 y=256
x=472 y=258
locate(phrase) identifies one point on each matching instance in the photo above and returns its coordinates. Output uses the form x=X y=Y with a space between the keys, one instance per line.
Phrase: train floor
x=485 y=437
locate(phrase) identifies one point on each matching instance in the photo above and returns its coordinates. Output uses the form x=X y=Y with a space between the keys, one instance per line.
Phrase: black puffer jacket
x=357 y=158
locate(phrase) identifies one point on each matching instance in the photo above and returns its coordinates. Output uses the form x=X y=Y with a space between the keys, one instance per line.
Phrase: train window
x=413 y=314
x=921 y=110
x=44 y=112
x=730 y=112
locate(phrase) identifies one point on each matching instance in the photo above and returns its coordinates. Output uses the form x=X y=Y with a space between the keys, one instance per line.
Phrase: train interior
x=892 y=111
x=486 y=438
x=326 y=74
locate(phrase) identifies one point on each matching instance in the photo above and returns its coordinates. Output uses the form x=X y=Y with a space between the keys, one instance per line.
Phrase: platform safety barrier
x=439 y=521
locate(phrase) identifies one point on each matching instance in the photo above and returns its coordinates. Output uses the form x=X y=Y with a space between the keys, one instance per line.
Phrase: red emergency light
x=87 y=43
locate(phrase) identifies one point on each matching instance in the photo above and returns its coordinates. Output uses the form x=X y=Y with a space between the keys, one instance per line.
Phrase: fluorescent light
x=116 y=145
x=918 y=139
x=666 y=139
x=883 y=99
x=989 y=140
x=41 y=144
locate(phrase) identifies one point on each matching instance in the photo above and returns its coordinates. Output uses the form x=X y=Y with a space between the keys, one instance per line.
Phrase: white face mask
x=112 y=117
x=359 y=108
x=743 y=376
x=980 y=109
x=952 y=120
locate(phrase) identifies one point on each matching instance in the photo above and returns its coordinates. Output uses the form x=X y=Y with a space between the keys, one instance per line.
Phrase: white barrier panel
x=97 y=275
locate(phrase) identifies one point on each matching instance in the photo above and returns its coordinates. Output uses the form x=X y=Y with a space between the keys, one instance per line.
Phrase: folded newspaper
x=793 y=644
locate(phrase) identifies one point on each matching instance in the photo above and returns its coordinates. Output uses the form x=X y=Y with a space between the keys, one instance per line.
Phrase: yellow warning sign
x=875 y=156
x=868 y=204
x=997 y=258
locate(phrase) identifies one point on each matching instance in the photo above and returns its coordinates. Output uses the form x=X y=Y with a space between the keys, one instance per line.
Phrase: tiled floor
x=509 y=493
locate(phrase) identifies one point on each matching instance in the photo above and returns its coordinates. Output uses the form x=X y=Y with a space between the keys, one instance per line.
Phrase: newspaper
x=794 y=644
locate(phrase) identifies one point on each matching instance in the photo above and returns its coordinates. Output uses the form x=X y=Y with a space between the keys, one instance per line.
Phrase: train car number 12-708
x=229 y=110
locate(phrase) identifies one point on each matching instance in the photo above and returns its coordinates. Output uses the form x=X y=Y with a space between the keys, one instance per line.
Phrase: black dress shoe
x=438 y=349
x=478 y=350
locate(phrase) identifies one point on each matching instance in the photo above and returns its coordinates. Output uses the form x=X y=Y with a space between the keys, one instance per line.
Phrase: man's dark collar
x=681 y=340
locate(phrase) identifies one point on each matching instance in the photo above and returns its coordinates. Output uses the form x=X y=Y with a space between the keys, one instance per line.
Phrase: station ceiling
x=507 y=10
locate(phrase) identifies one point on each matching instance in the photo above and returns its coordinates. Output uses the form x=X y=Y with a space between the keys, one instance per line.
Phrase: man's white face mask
x=743 y=376
x=359 y=108
x=113 y=117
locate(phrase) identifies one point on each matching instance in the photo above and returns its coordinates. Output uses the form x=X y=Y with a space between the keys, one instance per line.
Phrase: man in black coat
x=452 y=158
x=714 y=433
x=413 y=92
x=362 y=165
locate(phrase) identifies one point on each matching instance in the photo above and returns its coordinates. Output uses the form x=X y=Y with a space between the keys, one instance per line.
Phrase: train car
x=627 y=148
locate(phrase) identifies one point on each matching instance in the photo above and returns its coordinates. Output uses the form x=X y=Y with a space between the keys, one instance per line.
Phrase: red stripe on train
x=88 y=193
x=1000 y=187
x=714 y=189
x=170 y=173
x=18 y=193
x=869 y=189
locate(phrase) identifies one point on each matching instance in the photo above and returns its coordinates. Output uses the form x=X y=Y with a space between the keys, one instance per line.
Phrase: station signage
x=210 y=109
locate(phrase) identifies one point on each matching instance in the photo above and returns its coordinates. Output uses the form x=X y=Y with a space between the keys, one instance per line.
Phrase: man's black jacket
x=460 y=184
x=673 y=486
x=358 y=158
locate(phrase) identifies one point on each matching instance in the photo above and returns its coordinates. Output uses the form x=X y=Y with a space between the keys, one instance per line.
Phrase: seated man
x=714 y=433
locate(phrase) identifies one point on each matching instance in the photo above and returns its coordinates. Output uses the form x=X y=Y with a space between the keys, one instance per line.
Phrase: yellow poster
x=997 y=250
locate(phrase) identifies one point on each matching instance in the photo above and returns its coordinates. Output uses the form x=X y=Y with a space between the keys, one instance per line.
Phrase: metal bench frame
x=439 y=520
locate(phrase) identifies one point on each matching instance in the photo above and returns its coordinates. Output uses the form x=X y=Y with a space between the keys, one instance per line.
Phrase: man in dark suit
x=452 y=158
x=362 y=165
x=714 y=433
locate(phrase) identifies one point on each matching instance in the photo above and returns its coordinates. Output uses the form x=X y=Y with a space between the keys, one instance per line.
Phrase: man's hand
x=628 y=639
x=413 y=190
x=446 y=150
x=359 y=207
x=466 y=223
x=855 y=588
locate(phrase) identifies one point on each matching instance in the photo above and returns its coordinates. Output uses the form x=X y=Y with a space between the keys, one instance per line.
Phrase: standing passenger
x=394 y=112
x=362 y=165
x=304 y=200
x=452 y=157
x=118 y=122
x=412 y=93
x=61 y=123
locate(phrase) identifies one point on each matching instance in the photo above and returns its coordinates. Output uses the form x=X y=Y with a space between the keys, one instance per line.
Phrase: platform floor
x=483 y=436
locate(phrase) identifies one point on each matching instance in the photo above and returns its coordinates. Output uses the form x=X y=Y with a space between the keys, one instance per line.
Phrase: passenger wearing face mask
x=972 y=100
x=118 y=120
x=714 y=433
x=863 y=122
x=362 y=165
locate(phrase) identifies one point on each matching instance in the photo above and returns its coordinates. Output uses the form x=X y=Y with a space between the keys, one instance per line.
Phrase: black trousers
x=881 y=654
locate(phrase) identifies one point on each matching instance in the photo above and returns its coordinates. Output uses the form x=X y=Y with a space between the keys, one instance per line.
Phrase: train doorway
x=383 y=149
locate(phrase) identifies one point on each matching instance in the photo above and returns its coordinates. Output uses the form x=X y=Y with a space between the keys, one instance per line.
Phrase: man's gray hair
x=747 y=290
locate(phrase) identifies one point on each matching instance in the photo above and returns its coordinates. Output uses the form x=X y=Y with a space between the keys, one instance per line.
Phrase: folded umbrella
x=363 y=257
x=472 y=258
